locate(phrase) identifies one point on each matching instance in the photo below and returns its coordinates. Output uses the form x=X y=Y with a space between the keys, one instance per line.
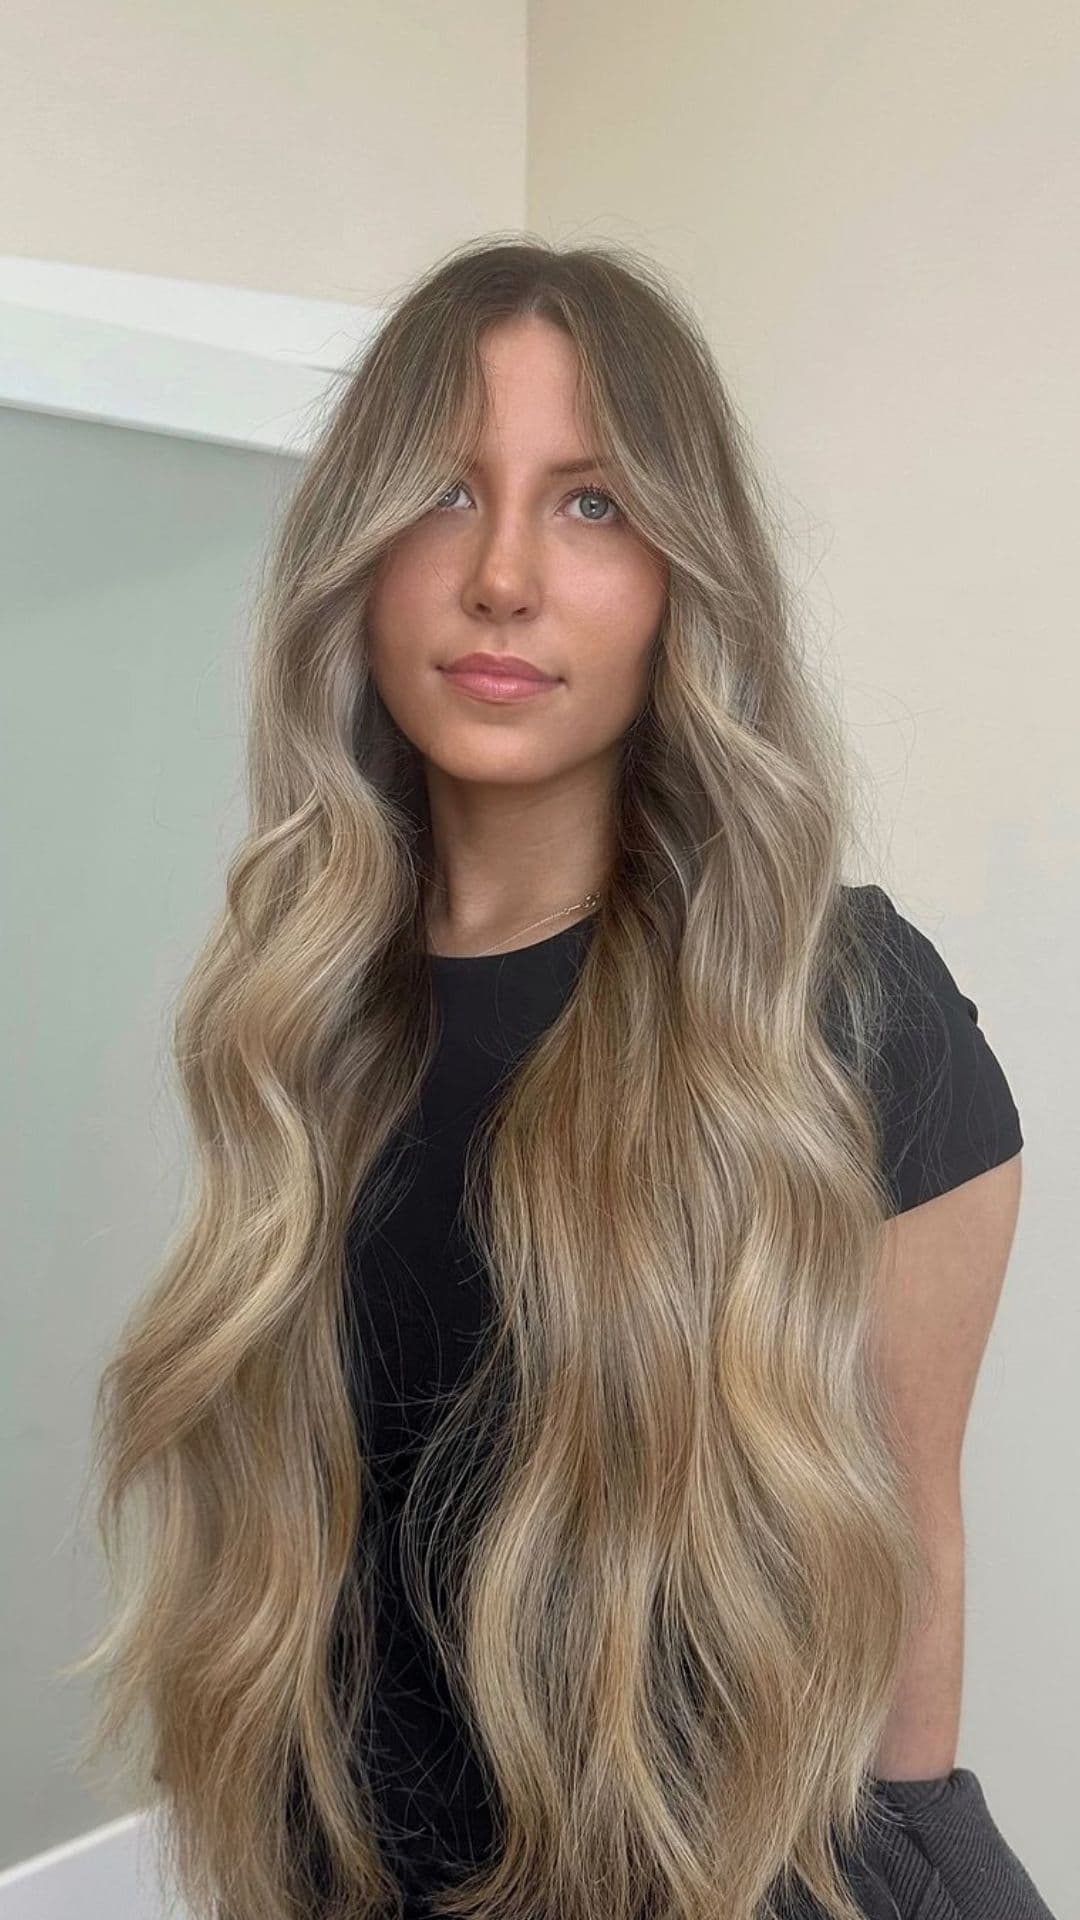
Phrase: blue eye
x=443 y=498
x=594 y=493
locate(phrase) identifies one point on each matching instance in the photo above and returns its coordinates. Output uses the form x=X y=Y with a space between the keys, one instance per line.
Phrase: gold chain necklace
x=590 y=900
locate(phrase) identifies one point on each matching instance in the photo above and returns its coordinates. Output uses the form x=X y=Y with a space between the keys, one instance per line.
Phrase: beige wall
x=311 y=148
x=874 y=210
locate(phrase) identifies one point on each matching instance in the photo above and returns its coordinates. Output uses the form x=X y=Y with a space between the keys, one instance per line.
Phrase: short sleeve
x=947 y=1109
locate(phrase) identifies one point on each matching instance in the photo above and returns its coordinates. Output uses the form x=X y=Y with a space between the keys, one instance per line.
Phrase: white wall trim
x=188 y=357
x=110 y=1873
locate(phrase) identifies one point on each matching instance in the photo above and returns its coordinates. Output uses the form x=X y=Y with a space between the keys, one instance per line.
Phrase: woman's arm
x=941 y=1277
x=921 y=1734
x=941 y=1855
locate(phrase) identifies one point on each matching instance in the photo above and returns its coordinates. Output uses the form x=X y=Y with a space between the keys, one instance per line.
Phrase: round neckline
x=454 y=960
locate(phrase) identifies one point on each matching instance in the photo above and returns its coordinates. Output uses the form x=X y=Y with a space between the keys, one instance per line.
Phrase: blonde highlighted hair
x=673 y=1586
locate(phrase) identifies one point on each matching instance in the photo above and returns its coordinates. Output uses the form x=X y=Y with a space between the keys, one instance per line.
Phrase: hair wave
x=672 y=1585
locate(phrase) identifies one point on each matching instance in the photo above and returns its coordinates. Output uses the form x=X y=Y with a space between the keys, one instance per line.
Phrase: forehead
x=533 y=405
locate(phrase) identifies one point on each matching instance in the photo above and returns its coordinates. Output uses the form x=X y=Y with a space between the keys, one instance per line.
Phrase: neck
x=500 y=860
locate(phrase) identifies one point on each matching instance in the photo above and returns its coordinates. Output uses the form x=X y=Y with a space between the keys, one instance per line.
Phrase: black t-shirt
x=947 y=1114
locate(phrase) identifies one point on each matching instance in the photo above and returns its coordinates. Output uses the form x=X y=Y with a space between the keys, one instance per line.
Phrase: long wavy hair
x=673 y=1565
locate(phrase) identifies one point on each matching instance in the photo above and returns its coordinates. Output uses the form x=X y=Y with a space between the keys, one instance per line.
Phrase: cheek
x=608 y=692
x=402 y=583
x=634 y=614
x=627 y=631
x=395 y=623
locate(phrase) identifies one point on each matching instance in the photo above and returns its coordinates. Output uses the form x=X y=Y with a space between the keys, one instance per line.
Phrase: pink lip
x=510 y=663
x=496 y=686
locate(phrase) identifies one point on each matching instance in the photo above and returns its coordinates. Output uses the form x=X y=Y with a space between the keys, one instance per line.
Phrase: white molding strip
x=108 y=1874
x=187 y=357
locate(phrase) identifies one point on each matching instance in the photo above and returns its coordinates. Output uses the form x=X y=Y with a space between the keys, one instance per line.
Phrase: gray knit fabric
x=934 y=1852
x=948 y=1860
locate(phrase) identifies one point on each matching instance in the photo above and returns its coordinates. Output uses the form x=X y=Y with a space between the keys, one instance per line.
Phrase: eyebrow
x=591 y=460
x=589 y=463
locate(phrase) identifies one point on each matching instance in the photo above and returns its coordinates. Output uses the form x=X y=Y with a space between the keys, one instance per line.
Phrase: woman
x=547 y=1511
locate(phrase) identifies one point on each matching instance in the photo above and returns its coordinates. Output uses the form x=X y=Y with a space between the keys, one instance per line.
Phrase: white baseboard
x=187 y=357
x=108 y=1874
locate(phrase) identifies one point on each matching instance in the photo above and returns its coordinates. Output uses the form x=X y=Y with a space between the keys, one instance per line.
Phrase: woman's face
x=525 y=560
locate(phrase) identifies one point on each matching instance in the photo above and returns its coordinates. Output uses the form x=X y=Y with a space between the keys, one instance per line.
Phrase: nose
x=504 y=582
